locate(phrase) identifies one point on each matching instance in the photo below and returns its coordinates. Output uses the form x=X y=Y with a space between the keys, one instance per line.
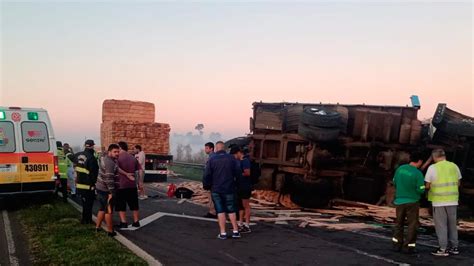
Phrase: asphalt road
x=187 y=241
x=175 y=233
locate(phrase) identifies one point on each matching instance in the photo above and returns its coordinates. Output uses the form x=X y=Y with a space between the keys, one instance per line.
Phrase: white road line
x=233 y=258
x=145 y=221
x=158 y=215
x=378 y=257
x=419 y=242
x=10 y=243
x=124 y=241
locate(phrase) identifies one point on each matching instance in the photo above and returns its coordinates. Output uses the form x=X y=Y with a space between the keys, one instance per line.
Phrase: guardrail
x=189 y=165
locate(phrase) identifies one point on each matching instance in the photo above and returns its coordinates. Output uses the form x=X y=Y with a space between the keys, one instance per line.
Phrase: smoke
x=189 y=147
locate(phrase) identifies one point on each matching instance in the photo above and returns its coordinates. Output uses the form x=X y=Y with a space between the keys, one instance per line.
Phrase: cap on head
x=89 y=143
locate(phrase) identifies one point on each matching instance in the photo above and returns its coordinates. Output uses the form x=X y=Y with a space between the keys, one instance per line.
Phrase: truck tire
x=318 y=134
x=319 y=117
x=311 y=193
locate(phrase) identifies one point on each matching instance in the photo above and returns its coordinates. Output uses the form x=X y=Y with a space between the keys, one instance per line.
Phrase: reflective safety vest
x=63 y=163
x=445 y=187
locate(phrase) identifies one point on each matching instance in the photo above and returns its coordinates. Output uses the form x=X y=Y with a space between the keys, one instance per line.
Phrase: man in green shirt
x=409 y=186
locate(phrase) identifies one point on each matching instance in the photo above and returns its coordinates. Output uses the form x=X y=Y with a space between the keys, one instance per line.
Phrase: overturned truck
x=316 y=152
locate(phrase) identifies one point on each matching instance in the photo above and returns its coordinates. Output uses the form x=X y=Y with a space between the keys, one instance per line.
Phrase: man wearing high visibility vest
x=443 y=180
x=63 y=164
x=87 y=170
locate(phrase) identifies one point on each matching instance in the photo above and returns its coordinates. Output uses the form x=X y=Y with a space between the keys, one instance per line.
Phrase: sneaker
x=111 y=234
x=210 y=215
x=244 y=229
x=453 y=251
x=440 y=252
x=222 y=236
x=98 y=229
x=143 y=197
x=136 y=224
x=236 y=235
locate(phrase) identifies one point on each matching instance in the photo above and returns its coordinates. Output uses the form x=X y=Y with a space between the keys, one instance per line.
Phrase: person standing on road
x=209 y=150
x=140 y=156
x=71 y=176
x=409 y=187
x=127 y=193
x=63 y=166
x=443 y=181
x=220 y=176
x=87 y=169
x=106 y=188
x=245 y=191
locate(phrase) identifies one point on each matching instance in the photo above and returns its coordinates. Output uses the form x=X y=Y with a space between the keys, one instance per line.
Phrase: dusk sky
x=207 y=62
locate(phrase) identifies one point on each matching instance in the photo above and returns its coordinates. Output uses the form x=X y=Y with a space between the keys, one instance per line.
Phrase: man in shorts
x=105 y=187
x=220 y=174
x=244 y=189
x=127 y=194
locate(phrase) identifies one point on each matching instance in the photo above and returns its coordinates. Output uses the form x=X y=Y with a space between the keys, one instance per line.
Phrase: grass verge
x=188 y=172
x=56 y=237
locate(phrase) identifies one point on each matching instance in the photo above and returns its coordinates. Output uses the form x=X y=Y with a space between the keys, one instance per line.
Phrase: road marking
x=10 y=243
x=158 y=215
x=419 y=242
x=124 y=241
x=232 y=257
x=378 y=257
x=145 y=221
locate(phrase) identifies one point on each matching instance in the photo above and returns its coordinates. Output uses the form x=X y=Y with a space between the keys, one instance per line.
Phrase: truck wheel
x=311 y=193
x=318 y=117
x=318 y=134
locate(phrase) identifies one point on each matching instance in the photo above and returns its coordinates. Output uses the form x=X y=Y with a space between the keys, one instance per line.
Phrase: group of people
x=228 y=178
x=442 y=180
x=114 y=177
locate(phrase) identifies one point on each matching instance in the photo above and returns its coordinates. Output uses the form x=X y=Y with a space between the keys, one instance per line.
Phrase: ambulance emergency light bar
x=31 y=116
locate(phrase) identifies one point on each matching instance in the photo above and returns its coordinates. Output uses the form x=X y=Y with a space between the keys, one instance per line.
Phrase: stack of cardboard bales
x=134 y=123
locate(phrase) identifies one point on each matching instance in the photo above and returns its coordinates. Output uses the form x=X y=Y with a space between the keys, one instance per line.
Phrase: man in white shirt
x=140 y=155
x=443 y=180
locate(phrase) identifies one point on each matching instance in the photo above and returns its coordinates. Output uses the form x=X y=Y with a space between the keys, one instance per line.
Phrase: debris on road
x=271 y=206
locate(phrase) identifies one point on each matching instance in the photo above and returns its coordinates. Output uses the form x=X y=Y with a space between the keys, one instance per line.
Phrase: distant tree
x=215 y=136
x=200 y=157
x=199 y=127
x=188 y=157
x=179 y=152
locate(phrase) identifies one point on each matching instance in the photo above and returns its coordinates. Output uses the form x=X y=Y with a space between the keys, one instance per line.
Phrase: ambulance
x=28 y=159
